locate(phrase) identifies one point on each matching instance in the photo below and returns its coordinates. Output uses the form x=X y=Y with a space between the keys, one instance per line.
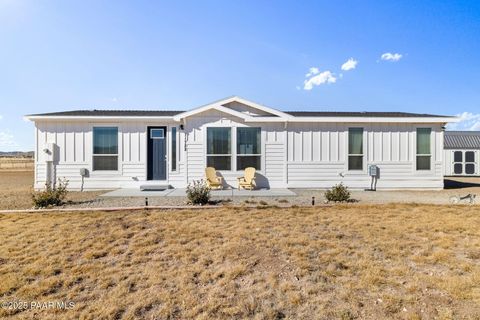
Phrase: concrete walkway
x=180 y=192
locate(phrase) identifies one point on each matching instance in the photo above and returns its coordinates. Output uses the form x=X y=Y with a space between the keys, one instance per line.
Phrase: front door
x=157 y=155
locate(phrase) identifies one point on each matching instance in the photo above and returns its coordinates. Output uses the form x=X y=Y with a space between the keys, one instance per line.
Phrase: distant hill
x=17 y=154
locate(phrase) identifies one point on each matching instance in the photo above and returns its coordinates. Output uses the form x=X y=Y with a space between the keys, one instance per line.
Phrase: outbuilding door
x=157 y=153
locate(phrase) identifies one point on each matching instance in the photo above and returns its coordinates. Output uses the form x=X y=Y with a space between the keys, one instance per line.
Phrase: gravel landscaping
x=15 y=192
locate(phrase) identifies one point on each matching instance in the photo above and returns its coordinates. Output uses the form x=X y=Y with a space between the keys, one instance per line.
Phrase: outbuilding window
x=423 y=148
x=219 y=151
x=248 y=148
x=355 y=149
x=105 y=149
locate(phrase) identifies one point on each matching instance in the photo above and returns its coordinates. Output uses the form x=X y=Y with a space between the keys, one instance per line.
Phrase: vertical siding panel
x=342 y=145
x=316 y=144
x=291 y=145
x=70 y=142
x=87 y=142
x=404 y=143
x=325 y=145
x=439 y=145
x=334 y=145
x=395 y=145
x=371 y=146
x=297 y=155
x=385 y=145
x=142 y=143
x=377 y=141
x=59 y=129
x=306 y=144
x=134 y=145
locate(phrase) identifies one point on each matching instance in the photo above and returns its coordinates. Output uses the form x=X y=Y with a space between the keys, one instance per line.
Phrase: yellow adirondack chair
x=248 y=180
x=213 y=181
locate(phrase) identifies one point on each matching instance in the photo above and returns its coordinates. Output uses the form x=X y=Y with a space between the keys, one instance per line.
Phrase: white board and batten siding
x=74 y=142
x=318 y=156
x=271 y=173
x=295 y=155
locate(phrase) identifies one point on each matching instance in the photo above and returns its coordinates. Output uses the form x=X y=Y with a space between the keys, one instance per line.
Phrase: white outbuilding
x=462 y=153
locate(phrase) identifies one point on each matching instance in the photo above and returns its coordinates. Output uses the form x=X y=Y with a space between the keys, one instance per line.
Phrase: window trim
x=106 y=154
x=157 y=138
x=430 y=155
x=354 y=154
x=247 y=154
x=464 y=163
x=233 y=147
x=231 y=154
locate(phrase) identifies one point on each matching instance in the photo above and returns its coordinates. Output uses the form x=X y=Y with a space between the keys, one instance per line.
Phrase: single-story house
x=296 y=149
x=462 y=153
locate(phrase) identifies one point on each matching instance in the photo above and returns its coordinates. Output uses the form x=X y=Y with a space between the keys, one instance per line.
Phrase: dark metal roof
x=462 y=140
x=112 y=113
x=358 y=114
x=169 y=113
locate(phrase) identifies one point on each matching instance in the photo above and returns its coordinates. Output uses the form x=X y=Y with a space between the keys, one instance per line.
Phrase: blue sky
x=64 y=55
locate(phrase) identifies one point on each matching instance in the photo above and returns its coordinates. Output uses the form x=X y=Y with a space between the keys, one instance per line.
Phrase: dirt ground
x=400 y=261
x=15 y=193
x=16 y=189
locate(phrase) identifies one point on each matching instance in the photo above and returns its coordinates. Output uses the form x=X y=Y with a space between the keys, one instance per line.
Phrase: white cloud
x=1 y=117
x=468 y=122
x=114 y=100
x=312 y=71
x=7 y=140
x=391 y=56
x=350 y=64
x=318 y=79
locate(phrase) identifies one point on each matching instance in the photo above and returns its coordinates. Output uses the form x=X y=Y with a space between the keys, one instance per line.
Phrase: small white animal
x=469 y=197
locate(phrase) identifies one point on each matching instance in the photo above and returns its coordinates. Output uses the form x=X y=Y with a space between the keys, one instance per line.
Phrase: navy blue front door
x=157 y=155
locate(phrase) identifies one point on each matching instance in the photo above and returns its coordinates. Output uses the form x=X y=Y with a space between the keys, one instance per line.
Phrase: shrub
x=51 y=196
x=338 y=193
x=198 y=192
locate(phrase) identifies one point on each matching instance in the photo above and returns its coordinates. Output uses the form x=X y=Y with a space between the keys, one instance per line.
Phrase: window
x=355 y=149
x=458 y=156
x=219 y=154
x=457 y=168
x=174 y=148
x=248 y=148
x=157 y=134
x=105 y=148
x=470 y=168
x=469 y=156
x=469 y=162
x=423 y=148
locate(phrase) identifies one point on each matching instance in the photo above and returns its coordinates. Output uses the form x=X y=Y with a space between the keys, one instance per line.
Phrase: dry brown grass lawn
x=346 y=262
x=16 y=188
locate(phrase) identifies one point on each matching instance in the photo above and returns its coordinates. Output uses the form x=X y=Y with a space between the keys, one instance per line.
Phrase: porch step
x=155 y=187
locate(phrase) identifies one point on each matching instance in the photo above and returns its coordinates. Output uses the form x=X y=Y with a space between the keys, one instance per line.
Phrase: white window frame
x=157 y=138
x=353 y=154
x=465 y=162
x=233 y=147
x=458 y=162
x=232 y=151
x=421 y=154
x=119 y=133
x=246 y=155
